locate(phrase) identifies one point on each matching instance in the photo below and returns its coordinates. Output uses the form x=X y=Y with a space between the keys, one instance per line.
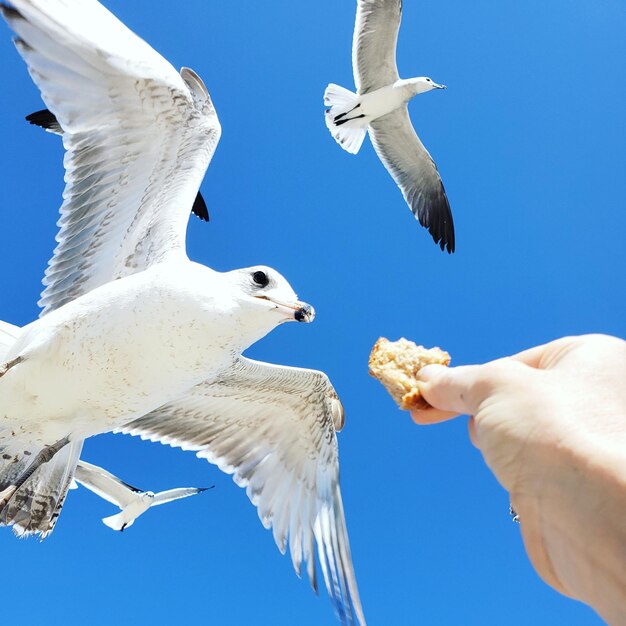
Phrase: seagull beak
x=441 y=86
x=306 y=313
x=298 y=311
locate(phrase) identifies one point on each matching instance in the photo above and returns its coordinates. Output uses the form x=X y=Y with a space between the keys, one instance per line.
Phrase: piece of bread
x=396 y=363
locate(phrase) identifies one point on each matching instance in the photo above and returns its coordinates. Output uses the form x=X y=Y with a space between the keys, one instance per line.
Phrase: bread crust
x=396 y=364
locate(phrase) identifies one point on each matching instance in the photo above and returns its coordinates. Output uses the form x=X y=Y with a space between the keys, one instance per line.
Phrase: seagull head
x=267 y=291
x=423 y=84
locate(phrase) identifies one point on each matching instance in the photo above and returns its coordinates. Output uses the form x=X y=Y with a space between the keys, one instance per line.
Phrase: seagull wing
x=415 y=172
x=46 y=120
x=174 y=494
x=374 y=44
x=138 y=138
x=273 y=429
x=104 y=484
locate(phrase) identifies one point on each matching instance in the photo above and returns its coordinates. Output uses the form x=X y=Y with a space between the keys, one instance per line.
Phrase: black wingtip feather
x=436 y=216
x=9 y=12
x=44 y=119
x=445 y=227
x=199 y=208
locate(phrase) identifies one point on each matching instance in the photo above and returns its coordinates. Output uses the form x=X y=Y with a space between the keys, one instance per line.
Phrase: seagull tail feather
x=117 y=521
x=34 y=480
x=343 y=119
x=339 y=97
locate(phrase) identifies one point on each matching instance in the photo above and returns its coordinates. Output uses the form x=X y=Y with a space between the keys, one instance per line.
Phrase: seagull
x=134 y=337
x=380 y=107
x=132 y=501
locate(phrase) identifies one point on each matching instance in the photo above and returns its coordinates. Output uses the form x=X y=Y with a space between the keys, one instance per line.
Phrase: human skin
x=551 y=425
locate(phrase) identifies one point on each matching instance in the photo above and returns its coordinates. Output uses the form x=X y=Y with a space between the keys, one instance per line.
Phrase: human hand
x=551 y=424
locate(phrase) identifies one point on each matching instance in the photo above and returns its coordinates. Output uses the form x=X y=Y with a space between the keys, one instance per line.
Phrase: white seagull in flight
x=136 y=338
x=380 y=106
x=133 y=502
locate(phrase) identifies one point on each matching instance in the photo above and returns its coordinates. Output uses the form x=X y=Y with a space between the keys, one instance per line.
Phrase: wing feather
x=273 y=429
x=415 y=172
x=374 y=44
x=105 y=484
x=163 y=497
x=138 y=138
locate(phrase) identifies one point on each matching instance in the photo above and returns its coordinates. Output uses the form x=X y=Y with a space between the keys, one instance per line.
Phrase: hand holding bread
x=396 y=364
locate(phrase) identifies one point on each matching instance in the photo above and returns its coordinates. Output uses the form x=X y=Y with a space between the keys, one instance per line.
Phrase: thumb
x=454 y=389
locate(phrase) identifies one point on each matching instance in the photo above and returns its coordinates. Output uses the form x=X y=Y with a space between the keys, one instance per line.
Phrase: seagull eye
x=261 y=279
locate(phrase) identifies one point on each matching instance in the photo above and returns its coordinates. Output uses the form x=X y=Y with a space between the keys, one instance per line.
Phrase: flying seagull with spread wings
x=132 y=501
x=380 y=107
x=133 y=336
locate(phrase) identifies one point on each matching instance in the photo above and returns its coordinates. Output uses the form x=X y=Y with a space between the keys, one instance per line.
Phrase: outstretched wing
x=273 y=428
x=163 y=497
x=415 y=172
x=45 y=119
x=138 y=137
x=105 y=485
x=374 y=44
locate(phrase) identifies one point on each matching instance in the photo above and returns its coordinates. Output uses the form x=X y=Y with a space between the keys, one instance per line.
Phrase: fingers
x=543 y=356
x=449 y=390
x=555 y=352
x=459 y=390
x=431 y=416
x=531 y=357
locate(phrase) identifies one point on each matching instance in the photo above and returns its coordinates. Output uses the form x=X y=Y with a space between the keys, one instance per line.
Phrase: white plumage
x=134 y=337
x=380 y=107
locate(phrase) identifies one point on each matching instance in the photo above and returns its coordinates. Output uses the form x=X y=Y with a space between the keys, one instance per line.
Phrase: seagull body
x=128 y=347
x=130 y=512
x=380 y=107
x=357 y=112
x=136 y=338
x=132 y=501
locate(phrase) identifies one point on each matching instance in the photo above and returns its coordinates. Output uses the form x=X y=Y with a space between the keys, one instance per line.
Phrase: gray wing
x=415 y=172
x=175 y=494
x=138 y=138
x=374 y=44
x=273 y=429
x=104 y=484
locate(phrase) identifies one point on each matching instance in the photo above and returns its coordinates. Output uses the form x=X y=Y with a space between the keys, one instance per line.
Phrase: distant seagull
x=381 y=108
x=131 y=500
x=135 y=337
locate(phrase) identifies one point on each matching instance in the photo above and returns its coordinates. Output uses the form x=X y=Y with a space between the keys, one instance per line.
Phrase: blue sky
x=530 y=140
